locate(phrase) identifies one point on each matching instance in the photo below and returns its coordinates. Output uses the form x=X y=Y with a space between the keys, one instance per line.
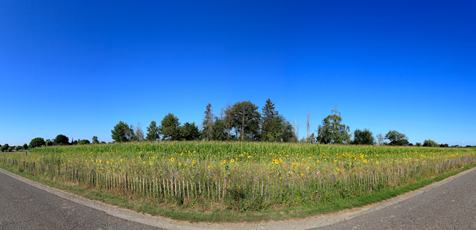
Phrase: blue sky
x=79 y=67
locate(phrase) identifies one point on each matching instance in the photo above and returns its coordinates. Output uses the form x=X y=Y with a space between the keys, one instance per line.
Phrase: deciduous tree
x=331 y=131
x=363 y=137
x=95 y=140
x=169 y=128
x=396 y=138
x=61 y=140
x=246 y=120
x=36 y=142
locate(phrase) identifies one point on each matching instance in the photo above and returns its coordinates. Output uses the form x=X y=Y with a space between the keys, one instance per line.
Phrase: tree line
x=241 y=121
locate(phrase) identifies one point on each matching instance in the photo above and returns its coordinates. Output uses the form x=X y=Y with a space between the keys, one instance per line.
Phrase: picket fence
x=313 y=189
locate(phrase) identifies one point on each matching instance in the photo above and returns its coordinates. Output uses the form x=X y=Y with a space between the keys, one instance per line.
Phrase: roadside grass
x=144 y=205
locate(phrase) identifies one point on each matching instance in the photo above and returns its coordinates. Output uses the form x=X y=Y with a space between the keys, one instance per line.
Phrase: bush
x=83 y=142
x=430 y=143
x=18 y=148
x=418 y=144
x=36 y=142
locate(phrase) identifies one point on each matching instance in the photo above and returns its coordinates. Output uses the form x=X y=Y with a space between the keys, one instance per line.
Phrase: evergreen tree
x=121 y=132
x=272 y=123
x=152 y=132
x=208 y=123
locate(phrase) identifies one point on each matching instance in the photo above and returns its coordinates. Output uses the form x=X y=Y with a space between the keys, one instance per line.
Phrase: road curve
x=450 y=204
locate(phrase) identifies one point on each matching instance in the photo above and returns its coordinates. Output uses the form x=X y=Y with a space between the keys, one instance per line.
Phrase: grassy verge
x=146 y=206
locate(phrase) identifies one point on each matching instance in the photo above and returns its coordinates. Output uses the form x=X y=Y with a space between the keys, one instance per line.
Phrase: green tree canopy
x=331 y=131
x=36 y=142
x=61 y=140
x=25 y=146
x=170 y=128
x=4 y=147
x=396 y=138
x=219 y=131
x=121 y=132
x=152 y=132
x=246 y=120
x=189 y=131
x=363 y=137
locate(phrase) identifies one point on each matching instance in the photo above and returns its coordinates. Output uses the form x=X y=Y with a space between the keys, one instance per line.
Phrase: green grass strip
x=144 y=206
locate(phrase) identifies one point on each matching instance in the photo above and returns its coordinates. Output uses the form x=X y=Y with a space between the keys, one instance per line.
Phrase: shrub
x=83 y=142
x=37 y=142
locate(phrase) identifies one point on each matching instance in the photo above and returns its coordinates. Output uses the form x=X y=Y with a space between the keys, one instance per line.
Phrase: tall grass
x=239 y=176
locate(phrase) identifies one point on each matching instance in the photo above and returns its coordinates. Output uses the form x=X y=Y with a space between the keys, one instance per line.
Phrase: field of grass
x=241 y=177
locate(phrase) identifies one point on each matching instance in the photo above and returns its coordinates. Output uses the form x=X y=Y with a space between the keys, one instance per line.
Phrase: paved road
x=449 y=206
x=23 y=206
x=27 y=205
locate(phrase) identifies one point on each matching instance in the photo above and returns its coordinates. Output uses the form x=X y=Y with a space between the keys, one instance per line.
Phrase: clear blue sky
x=79 y=67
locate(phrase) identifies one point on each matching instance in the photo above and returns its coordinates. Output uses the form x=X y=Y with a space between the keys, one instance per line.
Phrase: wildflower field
x=237 y=176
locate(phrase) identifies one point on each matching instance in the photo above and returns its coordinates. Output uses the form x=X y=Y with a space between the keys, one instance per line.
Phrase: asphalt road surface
x=450 y=204
x=23 y=206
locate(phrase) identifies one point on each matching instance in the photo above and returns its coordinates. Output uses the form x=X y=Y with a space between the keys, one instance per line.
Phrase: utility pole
x=336 y=111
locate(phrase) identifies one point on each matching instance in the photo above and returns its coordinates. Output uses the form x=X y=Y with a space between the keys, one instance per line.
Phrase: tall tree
x=271 y=123
x=152 y=132
x=332 y=131
x=396 y=138
x=95 y=140
x=121 y=132
x=246 y=119
x=208 y=123
x=363 y=137
x=169 y=128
